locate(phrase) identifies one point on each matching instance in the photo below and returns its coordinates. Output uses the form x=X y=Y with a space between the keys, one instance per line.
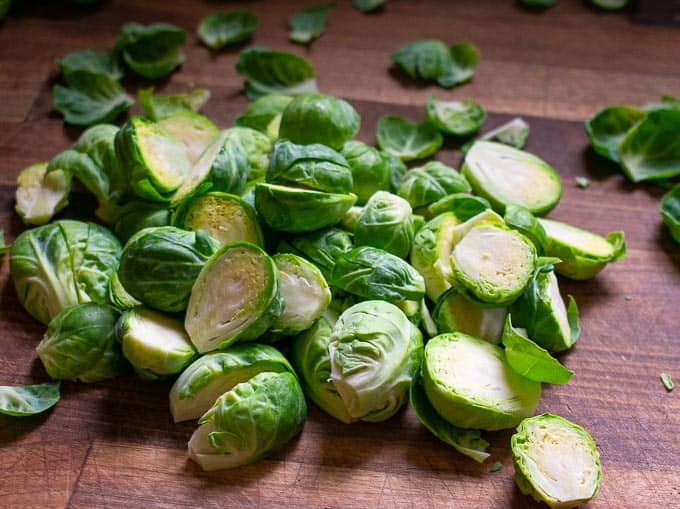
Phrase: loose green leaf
x=497 y=466
x=407 y=140
x=221 y=29
x=91 y=61
x=152 y=51
x=520 y=219
x=458 y=118
x=670 y=212
x=269 y=71
x=582 y=182
x=610 y=5
x=667 y=381
x=29 y=399
x=464 y=59
x=609 y=126
x=264 y=112
x=308 y=24
x=368 y=5
x=538 y=4
x=158 y=106
x=530 y=360
x=513 y=133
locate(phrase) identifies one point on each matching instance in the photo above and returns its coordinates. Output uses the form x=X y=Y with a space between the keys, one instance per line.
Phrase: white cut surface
x=164 y=156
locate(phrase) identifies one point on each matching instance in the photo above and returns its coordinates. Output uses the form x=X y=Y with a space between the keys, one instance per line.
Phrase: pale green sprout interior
x=581 y=240
x=164 y=155
x=40 y=196
x=223 y=219
x=202 y=452
x=195 y=133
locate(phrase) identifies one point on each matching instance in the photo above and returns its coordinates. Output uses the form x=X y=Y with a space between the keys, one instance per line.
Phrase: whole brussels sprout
x=323 y=247
x=426 y=184
x=385 y=222
x=371 y=170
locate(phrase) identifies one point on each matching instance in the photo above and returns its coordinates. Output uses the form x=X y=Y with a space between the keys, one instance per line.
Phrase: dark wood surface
x=113 y=444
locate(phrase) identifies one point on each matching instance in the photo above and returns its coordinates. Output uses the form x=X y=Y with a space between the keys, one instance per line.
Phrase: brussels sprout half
x=40 y=195
x=253 y=419
x=235 y=297
x=470 y=383
x=456 y=313
x=213 y=374
x=194 y=130
x=505 y=175
x=583 y=253
x=157 y=106
x=386 y=222
x=556 y=461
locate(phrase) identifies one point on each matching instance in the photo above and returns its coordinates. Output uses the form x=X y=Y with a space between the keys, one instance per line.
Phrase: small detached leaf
x=221 y=29
x=459 y=118
x=464 y=59
x=28 y=400
x=158 y=106
x=308 y=24
x=92 y=61
x=609 y=126
x=152 y=51
x=496 y=467
x=670 y=212
x=368 y=5
x=667 y=381
x=407 y=140
x=530 y=360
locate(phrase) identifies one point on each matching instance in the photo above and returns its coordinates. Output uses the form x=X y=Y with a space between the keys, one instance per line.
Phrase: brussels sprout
x=304 y=291
x=137 y=215
x=583 y=253
x=323 y=247
x=29 y=399
x=670 y=212
x=456 y=313
x=158 y=106
x=465 y=441
x=80 y=344
x=194 y=130
x=268 y=71
x=317 y=118
x=223 y=166
x=210 y=376
x=294 y=210
x=375 y=352
x=61 y=264
x=225 y=217
x=459 y=118
x=253 y=419
x=235 y=297
x=308 y=24
x=505 y=175
x=471 y=385
x=156 y=345
x=397 y=170
x=407 y=140
x=530 y=360
x=119 y=296
x=463 y=205
x=159 y=265
x=91 y=61
x=520 y=219
x=433 y=60
x=309 y=355
x=312 y=166
x=426 y=184
x=264 y=112
x=556 y=461
x=257 y=147
x=609 y=126
x=221 y=29
x=371 y=170
x=651 y=148
x=541 y=311
x=386 y=222
x=412 y=310
x=40 y=195
x=156 y=163
x=368 y=5
x=376 y=274
x=152 y=51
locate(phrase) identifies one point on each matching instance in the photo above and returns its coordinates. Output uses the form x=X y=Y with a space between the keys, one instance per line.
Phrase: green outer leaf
x=407 y=140
x=465 y=441
x=221 y=29
x=157 y=106
x=368 y=5
x=137 y=215
x=152 y=51
x=608 y=128
x=323 y=247
x=530 y=360
x=520 y=219
x=610 y=5
x=39 y=195
x=459 y=118
x=463 y=205
x=667 y=381
x=92 y=61
x=464 y=59
x=426 y=59
x=670 y=212
x=426 y=184
x=308 y=24
x=29 y=399
x=261 y=112
x=651 y=149
x=371 y=169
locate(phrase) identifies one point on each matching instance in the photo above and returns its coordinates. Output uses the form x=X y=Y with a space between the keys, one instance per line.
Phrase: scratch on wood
x=80 y=472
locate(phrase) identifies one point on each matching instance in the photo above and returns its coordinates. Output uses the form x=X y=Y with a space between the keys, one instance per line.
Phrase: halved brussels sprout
x=235 y=297
x=371 y=170
x=264 y=112
x=213 y=374
x=155 y=162
x=225 y=217
x=29 y=399
x=492 y=264
x=159 y=265
x=386 y=222
x=309 y=355
x=312 y=166
x=155 y=344
x=376 y=274
x=470 y=383
x=426 y=184
x=257 y=147
x=541 y=311
x=304 y=291
x=456 y=313
x=323 y=247
x=40 y=195
x=463 y=205
x=505 y=175
x=295 y=210
x=318 y=118
x=375 y=352
x=80 y=344
x=556 y=461
x=458 y=118
x=407 y=140
x=583 y=253
x=194 y=130
x=250 y=421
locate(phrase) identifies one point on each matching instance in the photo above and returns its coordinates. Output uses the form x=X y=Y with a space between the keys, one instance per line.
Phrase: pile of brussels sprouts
x=284 y=231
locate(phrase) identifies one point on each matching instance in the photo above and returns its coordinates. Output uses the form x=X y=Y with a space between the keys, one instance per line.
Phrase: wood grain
x=113 y=444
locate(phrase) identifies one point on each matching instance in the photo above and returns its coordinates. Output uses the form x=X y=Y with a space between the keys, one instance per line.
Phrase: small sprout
x=496 y=467
x=667 y=381
x=608 y=128
x=29 y=399
x=582 y=182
